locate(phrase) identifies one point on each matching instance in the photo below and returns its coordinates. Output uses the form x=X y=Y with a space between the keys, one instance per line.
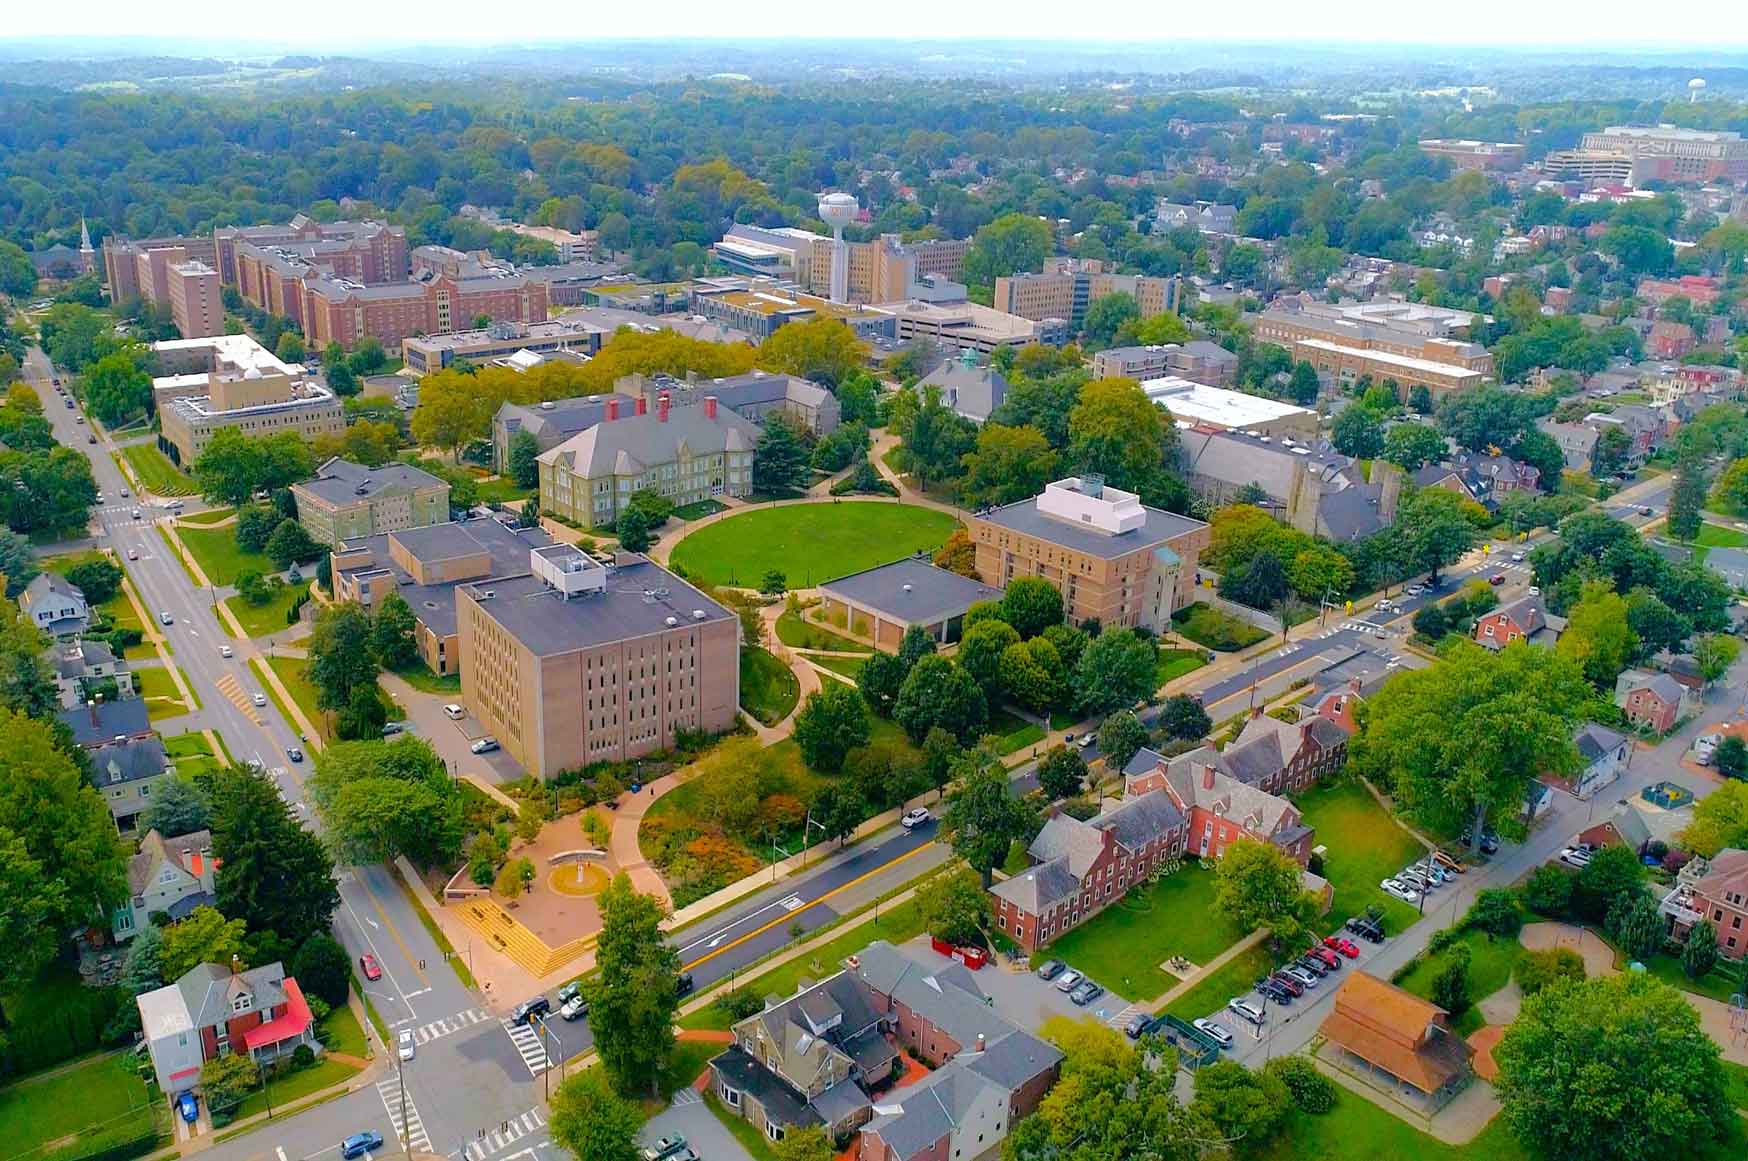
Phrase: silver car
x=1067 y=981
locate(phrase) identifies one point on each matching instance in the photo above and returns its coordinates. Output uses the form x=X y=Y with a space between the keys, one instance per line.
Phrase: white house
x=1604 y=753
x=54 y=606
x=170 y=875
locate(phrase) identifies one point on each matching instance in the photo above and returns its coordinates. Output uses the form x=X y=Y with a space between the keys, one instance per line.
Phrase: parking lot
x=1029 y=1001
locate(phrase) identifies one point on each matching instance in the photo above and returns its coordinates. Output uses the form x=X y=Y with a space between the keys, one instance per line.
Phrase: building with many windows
x=1066 y=294
x=346 y=501
x=1114 y=560
x=687 y=453
x=1479 y=155
x=233 y=381
x=196 y=306
x=1343 y=349
x=135 y=268
x=579 y=660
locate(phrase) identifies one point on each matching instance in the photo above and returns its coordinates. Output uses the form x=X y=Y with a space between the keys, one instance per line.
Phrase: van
x=454 y=712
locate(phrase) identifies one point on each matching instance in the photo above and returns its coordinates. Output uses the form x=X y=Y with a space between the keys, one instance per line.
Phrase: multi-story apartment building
x=758 y=306
x=343 y=311
x=1672 y=153
x=348 y=501
x=233 y=381
x=196 y=306
x=1343 y=349
x=424 y=565
x=883 y=270
x=368 y=252
x=1467 y=154
x=1114 y=560
x=687 y=453
x=580 y=661
x=1066 y=293
x=122 y=261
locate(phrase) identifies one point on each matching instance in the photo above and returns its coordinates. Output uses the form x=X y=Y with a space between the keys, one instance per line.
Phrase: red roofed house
x=1525 y=619
x=212 y=1011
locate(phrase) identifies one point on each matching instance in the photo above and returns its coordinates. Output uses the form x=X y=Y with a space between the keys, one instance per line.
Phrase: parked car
x=1246 y=1011
x=90 y=439
x=1399 y=889
x=1050 y=969
x=1316 y=967
x=1215 y=1032
x=915 y=818
x=405 y=1046
x=662 y=1147
x=1415 y=880
x=454 y=712
x=574 y=1008
x=1269 y=989
x=1137 y=1025
x=1366 y=928
x=390 y=729
x=224 y=651
x=1086 y=740
x=528 y=1009
x=1085 y=994
x=1453 y=865
x=1489 y=840
x=188 y=1107
x=484 y=745
x=133 y=554
x=1068 y=980
x=368 y=965
x=358 y=1144
x=1325 y=956
x=1346 y=947
x=570 y=992
x=1293 y=985
x=1575 y=857
x=1303 y=975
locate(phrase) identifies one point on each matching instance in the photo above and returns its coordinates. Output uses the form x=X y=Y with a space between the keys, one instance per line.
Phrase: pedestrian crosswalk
x=687 y=1096
x=449 y=1025
x=403 y=1114
x=528 y=1047
x=237 y=696
x=491 y=1142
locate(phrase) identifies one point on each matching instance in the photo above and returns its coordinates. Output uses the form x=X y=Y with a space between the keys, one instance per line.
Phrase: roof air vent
x=699 y=614
x=672 y=621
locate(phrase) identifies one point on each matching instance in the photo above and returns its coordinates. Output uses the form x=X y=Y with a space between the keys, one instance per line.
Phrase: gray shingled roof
x=557 y=420
x=114 y=718
x=911 y=590
x=1595 y=742
x=132 y=761
x=338 y=481
x=630 y=445
x=973 y=392
x=207 y=989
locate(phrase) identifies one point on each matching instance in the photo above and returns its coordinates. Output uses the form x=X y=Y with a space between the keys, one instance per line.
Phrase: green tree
x=1715 y=653
x=1654 y=623
x=178 y=807
x=1031 y=605
x=1116 y=431
x=61 y=823
x=1688 y=495
x=594 y=1122
x=1009 y=464
x=1012 y=244
x=822 y=349
x=1433 y=530
x=938 y=692
x=832 y=722
x=804 y=1144
x=1450 y=987
x=226 y=1080
x=1032 y=675
x=1061 y=773
x=206 y=936
x=255 y=526
x=1106 y=315
x=936 y=439
x=117 y=387
x=290 y=545
x=1247 y=1105
x=30 y=922
x=1539 y=969
x=17 y=272
x=363 y=716
x=323 y=969
x=1358 y=433
x=290 y=347
x=379 y=800
x=1635 y=922
x=523 y=460
x=1549 y=891
x=1611 y=873
x=1121 y=737
x=1257 y=884
x=1720 y=820
x=954 y=907
x=1117 y=669
x=1411 y=446
x=17 y=562
x=1156 y=330
x=633 y=532
x=1598 y=638
x=143 y=969
x=391 y=633
x=99 y=580
x=983 y=818
x=881 y=678
x=1261 y=583
x=838 y=810
x=1183 y=718
x=1731 y=757
x=1460 y=741
x=1574 y=1065
x=273 y=874
x=1304 y=386
x=633 y=997
x=1699 y=955
x=1319 y=572
x=980 y=653
x=340 y=659
x=780 y=462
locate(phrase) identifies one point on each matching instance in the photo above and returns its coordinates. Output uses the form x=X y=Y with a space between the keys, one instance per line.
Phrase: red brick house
x=1221 y=808
x=1669 y=340
x=1525 y=619
x=1285 y=757
x=1721 y=896
x=212 y=1011
x=1080 y=868
x=1652 y=700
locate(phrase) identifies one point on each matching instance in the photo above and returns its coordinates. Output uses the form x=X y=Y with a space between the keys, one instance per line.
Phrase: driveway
x=1021 y=996
x=694 y=1121
x=451 y=738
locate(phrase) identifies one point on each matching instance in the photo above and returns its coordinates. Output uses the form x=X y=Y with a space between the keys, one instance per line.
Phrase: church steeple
x=87 y=253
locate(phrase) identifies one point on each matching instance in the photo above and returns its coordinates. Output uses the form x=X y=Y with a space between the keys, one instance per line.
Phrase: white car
x=1517 y=558
x=164 y=618
x=406 y=1045
x=124 y=493
x=484 y=746
x=1214 y=1032
x=133 y=554
x=1086 y=740
x=1575 y=857
x=914 y=818
x=1246 y=1011
x=224 y=650
x=1399 y=889
x=1415 y=590
x=454 y=712
x=259 y=699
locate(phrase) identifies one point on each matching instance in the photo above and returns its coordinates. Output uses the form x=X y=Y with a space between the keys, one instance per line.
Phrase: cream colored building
x=580 y=661
x=1067 y=294
x=233 y=381
x=348 y=501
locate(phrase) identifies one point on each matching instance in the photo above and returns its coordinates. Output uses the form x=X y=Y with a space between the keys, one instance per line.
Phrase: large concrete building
x=126 y=259
x=1114 y=560
x=758 y=306
x=196 y=306
x=687 y=453
x=1414 y=351
x=346 y=501
x=1205 y=406
x=233 y=381
x=883 y=270
x=579 y=661
x=1197 y=359
x=1671 y=153
x=1478 y=155
x=1067 y=293
x=968 y=326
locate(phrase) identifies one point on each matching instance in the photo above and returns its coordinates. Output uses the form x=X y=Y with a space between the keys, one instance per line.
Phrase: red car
x=1497 y=578
x=1324 y=956
x=1346 y=947
x=372 y=969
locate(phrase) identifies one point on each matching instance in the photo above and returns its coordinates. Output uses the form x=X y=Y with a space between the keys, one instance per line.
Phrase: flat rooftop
x=911 y=590
x=1389 y=358
x=640 y=600
x=1023 y=517
x=1200 y=403
x=434 y=605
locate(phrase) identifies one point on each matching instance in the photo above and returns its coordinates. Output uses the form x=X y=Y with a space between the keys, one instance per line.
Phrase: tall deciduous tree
x=1411 y=446
x=1358 y=433
x=633 y=997
x=61 y=822
x=1575 y=1065
x=1121 y=738
x=1008 y=464
x=206 y=936
x=1598 y=638
x=938 y=692
x=980 y=651
x=340 y=659
x=1720 y=820
x=832 y=722
x=1116 y=431
x=1031 y=605
x=1062 y=772
x=524 y=459
x=1259 y=885
x=954 y=906
x=594 y=1122
x=822 y=349
x=1117 y=669
x=983 y=817
x=1688 y=495
x=1433 y=529
x=391 y=633
x=1012 y=244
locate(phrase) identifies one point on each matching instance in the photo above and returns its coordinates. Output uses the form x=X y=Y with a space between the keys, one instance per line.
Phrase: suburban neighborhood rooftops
x=101 y=724
x=1594 y=741
x=641 y=598
x=189 y=852
x=131 y=761
x=911 y=590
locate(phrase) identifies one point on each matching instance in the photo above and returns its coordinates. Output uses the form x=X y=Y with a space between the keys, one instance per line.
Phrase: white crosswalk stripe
x=687 y=1096
x=1122 y=1018
x=405 y=1121
x=501 y=1136
x=448 y=1026
x=528 y=1047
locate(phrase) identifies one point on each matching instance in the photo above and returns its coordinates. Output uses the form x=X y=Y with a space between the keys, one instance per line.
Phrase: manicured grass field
x=698 y=510
x=848 y=667
x=347 y=1036
x=321 y=1075
x=1490 y=965
x=1717 y=984
x=290 y=671
x=1233 y=978
x=192 y=755
x=85 y=1107
x=1010 y=731
x=768 y=689
x=220 y=558
x=163 y=699
x=260 y=620
x=216 y=516
x=797 y=633
x=1718 y=536
x=809 y=543
x=1206 y=625
x=423 y=680
x=1177 y=662
x=69 y=560
x=1360 y=1129
x=154 y=471
x=1365 y=848
x=501 y=490
x=1122 y=946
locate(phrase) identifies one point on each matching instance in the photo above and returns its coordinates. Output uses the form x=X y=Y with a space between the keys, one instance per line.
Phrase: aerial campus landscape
x=853 y=595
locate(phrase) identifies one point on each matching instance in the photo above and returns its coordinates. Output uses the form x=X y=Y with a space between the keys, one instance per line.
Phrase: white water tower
x=1694 y=88
x=838 y=210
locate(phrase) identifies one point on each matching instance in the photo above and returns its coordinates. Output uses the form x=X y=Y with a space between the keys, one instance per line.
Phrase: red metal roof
x=295 y=1022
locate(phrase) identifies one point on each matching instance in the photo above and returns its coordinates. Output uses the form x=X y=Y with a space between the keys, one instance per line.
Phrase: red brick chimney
x=1207 y=777
x=662 y=405
x=710 y=407
x=642 y=405
x=612 y=408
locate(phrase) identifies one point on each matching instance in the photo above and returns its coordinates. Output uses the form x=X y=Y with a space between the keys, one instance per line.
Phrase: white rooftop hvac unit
x=567 y=570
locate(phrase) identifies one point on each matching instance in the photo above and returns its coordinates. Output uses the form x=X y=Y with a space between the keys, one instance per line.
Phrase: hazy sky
x=1712 y=24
